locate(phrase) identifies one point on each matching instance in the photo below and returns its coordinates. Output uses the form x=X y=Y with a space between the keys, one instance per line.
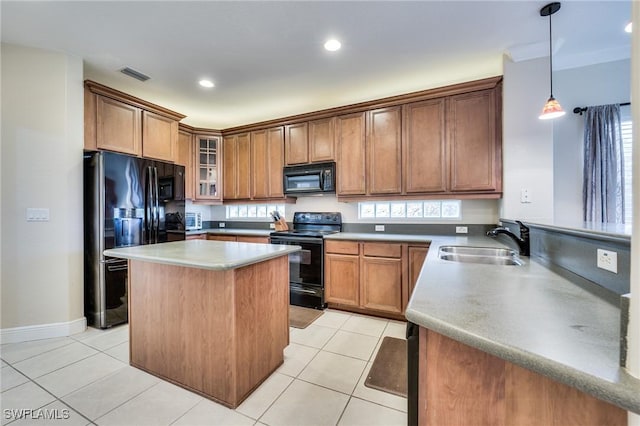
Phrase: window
x=253 y=211
x=626 y=127
x=397 y=210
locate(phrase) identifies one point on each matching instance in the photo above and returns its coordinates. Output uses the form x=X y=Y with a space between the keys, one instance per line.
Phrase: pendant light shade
x=552 y=108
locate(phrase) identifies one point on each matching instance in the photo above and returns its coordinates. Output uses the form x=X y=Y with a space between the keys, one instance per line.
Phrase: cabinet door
x=350 y=164
x=237 y=167
x=296 y=144
x=381 y=284
x=251 y=239
x=196 y=237
x=342 y=276
x=322 y=140
x=424 y=139
x=275 y=142
x=208 y=167
x=118 y=126
x=417 y=255
x=221 y=237
x=259 y=164
x=185 y=158
x=384 y=151
x=159 y=136
x=474 y=142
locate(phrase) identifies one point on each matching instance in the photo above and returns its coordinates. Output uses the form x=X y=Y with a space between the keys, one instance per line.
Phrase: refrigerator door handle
x=148 y=208
x=156 y=204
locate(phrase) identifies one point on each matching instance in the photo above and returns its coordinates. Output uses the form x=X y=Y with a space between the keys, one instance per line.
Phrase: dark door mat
x=389 y=370
x=300 y=317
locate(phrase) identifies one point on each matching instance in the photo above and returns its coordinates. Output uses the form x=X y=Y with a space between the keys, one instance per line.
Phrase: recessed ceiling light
x=332 y=45
x=628 y=27
x=206 y=83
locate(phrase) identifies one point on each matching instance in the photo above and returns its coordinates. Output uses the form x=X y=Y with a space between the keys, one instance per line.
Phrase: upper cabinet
x=267 y=162
x=208 y=167
x=474 y=155
x=236 y=165
x=185 y=158
x=310 y=141
x=440 y=147
x=116 y=121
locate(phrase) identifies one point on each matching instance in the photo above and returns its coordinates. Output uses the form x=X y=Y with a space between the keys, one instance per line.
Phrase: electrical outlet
x=462 y=230
x=608 y=260
x=272 y=225
x=380 y=228
x=37 y=215
x=525 y=196
x=221 y=225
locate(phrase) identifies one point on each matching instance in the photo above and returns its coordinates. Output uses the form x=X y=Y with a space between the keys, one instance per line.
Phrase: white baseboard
x=42 y=331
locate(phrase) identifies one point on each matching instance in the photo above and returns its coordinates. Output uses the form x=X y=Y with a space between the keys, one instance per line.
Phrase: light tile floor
x=85 y=379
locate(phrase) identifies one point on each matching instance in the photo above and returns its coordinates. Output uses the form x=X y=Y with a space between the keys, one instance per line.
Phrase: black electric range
x=306 y=273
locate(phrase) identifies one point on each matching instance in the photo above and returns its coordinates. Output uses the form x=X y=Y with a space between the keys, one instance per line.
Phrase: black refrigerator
x=128 y=201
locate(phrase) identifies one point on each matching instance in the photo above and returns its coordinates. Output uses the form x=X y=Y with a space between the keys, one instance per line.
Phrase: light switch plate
x=380 y=228
x=221 y=225
x=272 y=225
x=37 y=214
x=608 y=260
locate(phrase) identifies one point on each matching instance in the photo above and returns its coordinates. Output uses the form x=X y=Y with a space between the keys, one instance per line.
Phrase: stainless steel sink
x=483 y=255
x=478 y=251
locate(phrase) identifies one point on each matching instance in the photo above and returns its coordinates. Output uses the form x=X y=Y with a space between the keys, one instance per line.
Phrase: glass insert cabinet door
x=209 y=168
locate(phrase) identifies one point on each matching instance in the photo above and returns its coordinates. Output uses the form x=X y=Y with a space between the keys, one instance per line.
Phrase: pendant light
x=552 y=108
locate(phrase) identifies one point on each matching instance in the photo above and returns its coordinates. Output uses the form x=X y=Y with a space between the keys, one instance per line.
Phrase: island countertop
x=203 y=254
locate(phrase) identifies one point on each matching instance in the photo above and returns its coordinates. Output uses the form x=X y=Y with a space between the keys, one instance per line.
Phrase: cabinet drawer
x=221 y=237
x=341 y=247
x=251 y=239
x=382 y=250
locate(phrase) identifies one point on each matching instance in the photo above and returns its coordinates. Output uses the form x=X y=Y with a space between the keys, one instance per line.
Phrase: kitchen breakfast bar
x=209 y=316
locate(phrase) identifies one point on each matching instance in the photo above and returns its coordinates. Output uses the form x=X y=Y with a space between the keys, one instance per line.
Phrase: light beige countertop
x=369 y=236
x=546 y=320
x=203 y=254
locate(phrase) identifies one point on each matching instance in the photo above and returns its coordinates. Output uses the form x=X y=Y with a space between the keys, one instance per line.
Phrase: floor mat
x=300 y=317
x=389 y=370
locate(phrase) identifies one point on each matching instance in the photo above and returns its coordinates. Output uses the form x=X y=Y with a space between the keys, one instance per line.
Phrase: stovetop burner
x=313 y=225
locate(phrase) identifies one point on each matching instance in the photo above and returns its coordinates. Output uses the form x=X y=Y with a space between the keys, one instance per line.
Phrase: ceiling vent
x=135 y=74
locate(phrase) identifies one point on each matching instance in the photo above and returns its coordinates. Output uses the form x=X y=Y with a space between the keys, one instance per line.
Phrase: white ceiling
x=267 y=60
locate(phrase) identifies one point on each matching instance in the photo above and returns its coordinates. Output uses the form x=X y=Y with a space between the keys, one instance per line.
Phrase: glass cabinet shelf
x=208 y=167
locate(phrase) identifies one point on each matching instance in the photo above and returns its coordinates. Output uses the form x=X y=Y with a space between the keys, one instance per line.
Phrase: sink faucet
x=522 y=240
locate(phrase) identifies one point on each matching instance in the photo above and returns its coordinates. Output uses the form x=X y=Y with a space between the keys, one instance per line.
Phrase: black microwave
x=310 y=178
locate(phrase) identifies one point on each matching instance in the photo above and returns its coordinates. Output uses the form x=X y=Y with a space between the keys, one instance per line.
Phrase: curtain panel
x=603 y=183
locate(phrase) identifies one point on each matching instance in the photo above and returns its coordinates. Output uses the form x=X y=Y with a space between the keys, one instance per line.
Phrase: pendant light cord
x=550 y=56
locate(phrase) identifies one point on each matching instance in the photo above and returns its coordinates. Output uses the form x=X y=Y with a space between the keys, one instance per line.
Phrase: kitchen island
x=209 y=316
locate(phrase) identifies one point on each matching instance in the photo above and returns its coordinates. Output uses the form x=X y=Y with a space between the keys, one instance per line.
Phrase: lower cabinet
x=196 y=237
x=239 y=238
x=371 y=277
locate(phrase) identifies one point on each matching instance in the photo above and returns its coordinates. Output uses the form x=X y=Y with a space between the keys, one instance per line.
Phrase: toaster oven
x=192 y=221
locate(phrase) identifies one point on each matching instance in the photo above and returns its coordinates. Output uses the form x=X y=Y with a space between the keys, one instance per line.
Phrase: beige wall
x=42 y=135
x=527 y=142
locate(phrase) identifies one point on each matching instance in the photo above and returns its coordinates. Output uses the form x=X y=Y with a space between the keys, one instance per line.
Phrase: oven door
x=305 y=266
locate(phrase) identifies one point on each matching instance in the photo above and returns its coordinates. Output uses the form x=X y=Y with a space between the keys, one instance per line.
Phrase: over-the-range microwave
x=310 y=178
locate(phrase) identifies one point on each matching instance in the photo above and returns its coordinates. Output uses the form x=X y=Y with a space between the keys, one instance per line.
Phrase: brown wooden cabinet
x=424 y=147
x=267 y=161
x=119 y=126
x=159 y=136
x=475 y=157
x=370 y=277
x=351 y=158
x=238 y=238
x=417 y=255
x=296 y=142
x=461 y=385
x=237 y=167
x=185 y=158
x=116 y=121
x=212 y=237
x=196 y=237
x=322 y=140
x=384 y=151
x=310 y=142
x=208 y=167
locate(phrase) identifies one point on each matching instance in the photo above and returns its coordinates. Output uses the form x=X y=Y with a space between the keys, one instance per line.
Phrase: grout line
x=270 y=405
x=38 y=354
